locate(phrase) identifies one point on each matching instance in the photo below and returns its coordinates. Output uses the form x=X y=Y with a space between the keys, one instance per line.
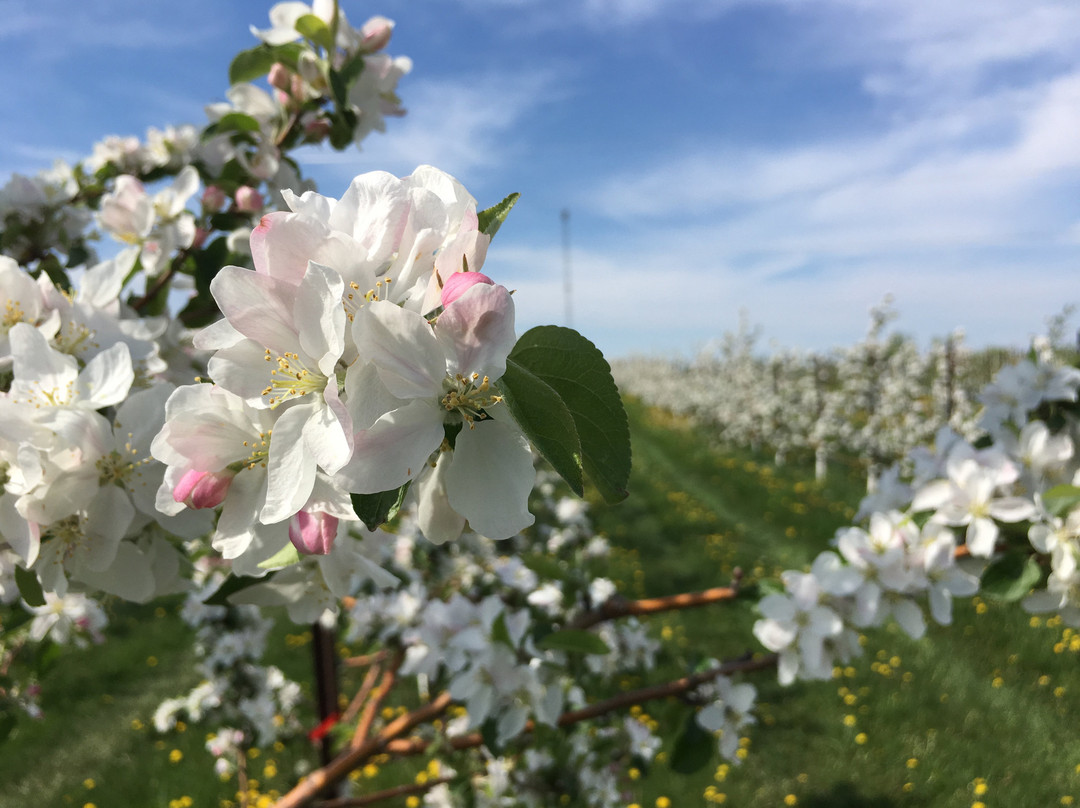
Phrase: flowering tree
x=264 y=397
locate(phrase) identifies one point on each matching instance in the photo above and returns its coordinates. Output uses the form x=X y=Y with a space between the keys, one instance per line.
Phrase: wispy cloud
x=465 y=125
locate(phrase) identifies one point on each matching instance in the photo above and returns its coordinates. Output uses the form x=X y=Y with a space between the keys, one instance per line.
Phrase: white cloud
x=463 y=125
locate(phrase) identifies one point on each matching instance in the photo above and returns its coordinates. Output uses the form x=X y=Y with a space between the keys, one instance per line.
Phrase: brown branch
x=386 y=794
x=361 y=695
x=366 y=659
x=162 y=281
x=413 y=746
x=308 y=789
x=614 y=608
x=367 y=718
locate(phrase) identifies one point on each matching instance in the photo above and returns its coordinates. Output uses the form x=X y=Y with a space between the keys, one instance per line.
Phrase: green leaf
x=342 y=128
x=489 y=731
x=578 y=372
x=313 y=28
x=1061 y=499
x=251 y=64
x=694 y=748
x=1010 y=577
x=47 y=656
x=574 y=641
x=546 y=421
x=51 y=267
x=256 y=62
x=342 y=80
x=378 y=509
x=29 y=587
x=491 y=219
x=232 y=585
x=285 y=557
x=544 y=566
x=231 y=122
x=500 y=633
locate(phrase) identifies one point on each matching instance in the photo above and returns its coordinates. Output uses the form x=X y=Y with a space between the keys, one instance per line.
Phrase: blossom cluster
x=946 y=516
x=873 y=401
x=358 y=357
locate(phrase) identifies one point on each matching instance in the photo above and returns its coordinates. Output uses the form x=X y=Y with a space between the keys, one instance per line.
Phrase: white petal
x=290 y=473
x=490 y=479
x=394 y=449
x=437 y=520
x=400 y=343
x=477 y=331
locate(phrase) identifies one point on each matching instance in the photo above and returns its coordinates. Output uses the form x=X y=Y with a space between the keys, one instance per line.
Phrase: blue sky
x=799 y=159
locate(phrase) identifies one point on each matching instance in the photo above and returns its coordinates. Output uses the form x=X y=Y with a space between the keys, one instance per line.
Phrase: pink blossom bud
x=203 y=489
x=457 y=284
x=313 y=533
x=248 y=200
x=298 y=87
x=317 y=129
x=376 y=34
x=213 y=199
x=200 y=238
x=280 y=76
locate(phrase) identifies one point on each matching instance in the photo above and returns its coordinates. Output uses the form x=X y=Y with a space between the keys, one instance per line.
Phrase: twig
x=386 y=794
x=367 y=718
x=306 y=790
x=366 y=659
x=615 y=607
x=413 y=746
x=361 y=695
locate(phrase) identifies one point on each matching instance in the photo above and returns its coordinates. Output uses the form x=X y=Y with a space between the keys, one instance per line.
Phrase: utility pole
x=567 y=304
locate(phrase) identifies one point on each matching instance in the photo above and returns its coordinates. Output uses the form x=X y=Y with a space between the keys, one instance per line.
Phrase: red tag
x=320 y=731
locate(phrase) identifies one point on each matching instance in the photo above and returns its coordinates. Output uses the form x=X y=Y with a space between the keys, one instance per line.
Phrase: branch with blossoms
x=729 y=710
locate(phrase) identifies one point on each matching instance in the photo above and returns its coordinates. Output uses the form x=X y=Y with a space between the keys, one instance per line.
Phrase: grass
x=982 y=711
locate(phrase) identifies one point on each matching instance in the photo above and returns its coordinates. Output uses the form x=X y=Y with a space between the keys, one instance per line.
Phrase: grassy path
x=982 y=711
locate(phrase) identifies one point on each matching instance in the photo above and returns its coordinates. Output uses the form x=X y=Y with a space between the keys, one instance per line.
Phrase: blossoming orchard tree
x=265 y=397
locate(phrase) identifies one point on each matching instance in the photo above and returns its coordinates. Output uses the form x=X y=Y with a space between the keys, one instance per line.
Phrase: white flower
x=442 y=377
x=279 y=347
x=967 y=498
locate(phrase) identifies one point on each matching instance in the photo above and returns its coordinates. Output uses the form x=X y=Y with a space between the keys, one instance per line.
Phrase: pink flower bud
x=317 y=129
x=203 y=489
x=313 y=533
x=457 y=284
x=280 y=76
x=376 y=34
x=248 y=200
x=213 y=199
x=200 y=238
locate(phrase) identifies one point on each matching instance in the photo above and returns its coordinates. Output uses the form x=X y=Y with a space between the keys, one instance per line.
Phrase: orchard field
x=979 y=712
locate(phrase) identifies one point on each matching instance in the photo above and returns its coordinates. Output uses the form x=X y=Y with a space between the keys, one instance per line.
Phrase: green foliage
x=1061 y=499
x=313 y=27
x=378 y=509
x=491 y=219
x=694 y=748
x=1010 y=577
x=578 y=373
x=256 y=62
x=232 y=585
x=285 y=557
x=545 y=420
x=29 y=587
x=574 y=641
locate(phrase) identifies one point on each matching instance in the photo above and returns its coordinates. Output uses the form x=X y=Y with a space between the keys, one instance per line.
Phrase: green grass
x=985 y=698
x=922 y=722
x=95 y=744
